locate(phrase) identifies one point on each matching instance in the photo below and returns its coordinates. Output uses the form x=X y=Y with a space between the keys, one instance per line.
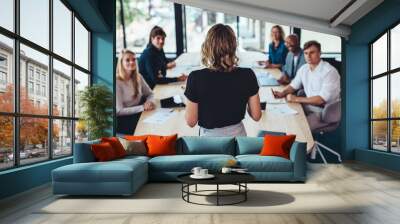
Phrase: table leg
x=245 y=193
x=217 y=194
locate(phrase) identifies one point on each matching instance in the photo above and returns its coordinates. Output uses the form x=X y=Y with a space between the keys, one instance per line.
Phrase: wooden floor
x=377 y=188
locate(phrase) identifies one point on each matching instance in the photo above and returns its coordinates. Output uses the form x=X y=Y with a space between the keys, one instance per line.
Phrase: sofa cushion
x=134 y=147
x=161 y=145
x=116 y=145
x=277 y=145
x=195 y=145
x=112 y=171
x=103 y=152
x=257 y=163
x=185 y=163
x=249 y=145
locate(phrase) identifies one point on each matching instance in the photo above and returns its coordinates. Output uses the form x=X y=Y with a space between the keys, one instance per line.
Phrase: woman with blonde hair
x=217 y=96
x=133 y=93
x=277 y=49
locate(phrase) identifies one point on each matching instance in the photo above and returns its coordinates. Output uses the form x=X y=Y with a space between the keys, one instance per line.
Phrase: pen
x=273 y=93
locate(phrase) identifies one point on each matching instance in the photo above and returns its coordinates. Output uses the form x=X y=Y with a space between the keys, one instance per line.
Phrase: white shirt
x=295 y=60
x=323 y=81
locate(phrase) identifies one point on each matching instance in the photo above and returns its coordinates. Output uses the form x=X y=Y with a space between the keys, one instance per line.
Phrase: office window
x=379 y=55
x=7 y=14
x=385 y=94
x=81 y=81
x=331 y=46
x=6 y=142
x=81 y=45
x=40 y=62
x=44 y=133
x=62 y=29
x=7 y=88
x=62 y=137
x=199 y=21
x=139 y=17
x=395 y=47
x=33 y=140
x=63 y=72
x=34 y=23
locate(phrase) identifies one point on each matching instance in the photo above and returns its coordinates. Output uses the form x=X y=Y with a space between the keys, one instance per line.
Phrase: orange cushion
x=277 y=145
x=136 y=137
x=103 y=151
x=161 y=145
x=116 y=145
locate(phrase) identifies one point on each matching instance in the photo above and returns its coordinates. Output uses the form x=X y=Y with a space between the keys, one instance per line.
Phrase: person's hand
x=267 y=64
x=278 y=94
x=172 y=64
x=148 y=105
x=284 y=79
x=182 y=78
x=291 y=98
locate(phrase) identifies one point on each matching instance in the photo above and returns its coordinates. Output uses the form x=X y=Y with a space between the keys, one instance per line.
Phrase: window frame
x=388 y=74
x=16 y=115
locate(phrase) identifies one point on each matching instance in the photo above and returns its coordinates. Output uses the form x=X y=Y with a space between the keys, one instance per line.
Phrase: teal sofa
x=125 y=176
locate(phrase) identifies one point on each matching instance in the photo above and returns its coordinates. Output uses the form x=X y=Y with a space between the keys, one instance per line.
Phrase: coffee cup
x=203 y=172
x=196 y=171
x=226 y=170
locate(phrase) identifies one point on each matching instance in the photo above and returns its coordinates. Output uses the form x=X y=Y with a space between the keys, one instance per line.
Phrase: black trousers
x=127 y=124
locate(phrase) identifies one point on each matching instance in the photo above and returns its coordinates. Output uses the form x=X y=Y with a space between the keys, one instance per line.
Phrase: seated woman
x=153 y=64
x=133 y=93
x=217 y=96
x=277 y=50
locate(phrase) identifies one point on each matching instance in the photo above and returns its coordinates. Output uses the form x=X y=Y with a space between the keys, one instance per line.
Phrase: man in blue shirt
x=294 y=59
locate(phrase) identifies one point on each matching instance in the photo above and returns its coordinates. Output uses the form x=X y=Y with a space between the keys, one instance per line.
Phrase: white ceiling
x=321 y=9
x=313 y=15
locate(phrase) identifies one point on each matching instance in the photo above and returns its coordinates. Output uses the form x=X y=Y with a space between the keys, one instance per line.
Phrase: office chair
x=329 y=121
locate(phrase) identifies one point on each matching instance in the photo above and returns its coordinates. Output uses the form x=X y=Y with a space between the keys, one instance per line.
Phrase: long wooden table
x=291 y=124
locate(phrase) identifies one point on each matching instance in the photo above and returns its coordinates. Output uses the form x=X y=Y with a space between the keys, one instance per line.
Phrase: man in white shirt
x=320 y=81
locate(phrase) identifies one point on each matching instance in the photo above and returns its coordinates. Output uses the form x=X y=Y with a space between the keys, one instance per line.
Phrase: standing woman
x=277 y=50
x=133 y=93
x=217 y=96
x=153 y=64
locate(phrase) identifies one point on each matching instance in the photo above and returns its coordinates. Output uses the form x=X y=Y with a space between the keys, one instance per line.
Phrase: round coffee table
x=238 y=179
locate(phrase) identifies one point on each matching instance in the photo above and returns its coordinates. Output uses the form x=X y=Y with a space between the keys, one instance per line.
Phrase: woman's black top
x=153 y=66
x=222 y=97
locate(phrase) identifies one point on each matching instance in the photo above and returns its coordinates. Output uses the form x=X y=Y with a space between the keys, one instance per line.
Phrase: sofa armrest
x=298 y=154
x=83 y=152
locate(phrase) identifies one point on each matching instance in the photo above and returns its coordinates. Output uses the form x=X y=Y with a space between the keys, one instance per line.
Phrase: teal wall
x=357 y=85
x=99 y=16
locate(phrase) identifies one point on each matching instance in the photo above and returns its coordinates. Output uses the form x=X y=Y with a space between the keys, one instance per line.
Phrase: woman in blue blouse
x=277 y=50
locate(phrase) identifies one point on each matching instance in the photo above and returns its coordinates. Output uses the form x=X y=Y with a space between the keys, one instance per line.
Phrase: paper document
x=160 y=116
x=265 y=78
x=281 y=109
x=272 y=100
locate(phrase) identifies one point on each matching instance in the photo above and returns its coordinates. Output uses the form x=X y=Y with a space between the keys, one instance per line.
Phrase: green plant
x=96 y=104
